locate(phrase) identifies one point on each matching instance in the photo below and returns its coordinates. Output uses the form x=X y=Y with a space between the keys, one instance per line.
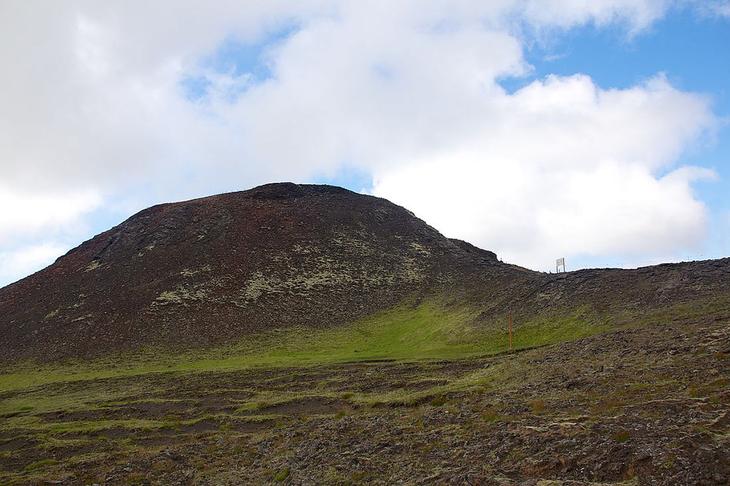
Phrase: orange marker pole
x=510 y=330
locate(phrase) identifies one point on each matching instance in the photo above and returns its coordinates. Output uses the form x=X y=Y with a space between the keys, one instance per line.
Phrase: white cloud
x=24 y=213
x=566 y=13
x=36 y=227
x=570 y=170
x=18 y=263
x=719 y=8
x=407 y=91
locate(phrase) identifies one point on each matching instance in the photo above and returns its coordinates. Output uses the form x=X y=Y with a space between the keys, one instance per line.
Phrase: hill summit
x=209 y=271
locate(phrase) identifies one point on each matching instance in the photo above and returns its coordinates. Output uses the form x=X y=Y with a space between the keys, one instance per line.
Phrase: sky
x=598 y=131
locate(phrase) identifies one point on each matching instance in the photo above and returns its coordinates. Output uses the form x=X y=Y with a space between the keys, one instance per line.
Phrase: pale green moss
x=92 y=266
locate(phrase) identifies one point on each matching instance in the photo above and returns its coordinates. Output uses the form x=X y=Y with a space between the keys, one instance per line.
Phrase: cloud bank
x=109 y=103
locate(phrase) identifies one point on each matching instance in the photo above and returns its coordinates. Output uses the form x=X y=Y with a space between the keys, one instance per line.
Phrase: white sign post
x=560 y=265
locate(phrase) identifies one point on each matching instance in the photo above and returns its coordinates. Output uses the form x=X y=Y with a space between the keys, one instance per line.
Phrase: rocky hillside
x=213 y=270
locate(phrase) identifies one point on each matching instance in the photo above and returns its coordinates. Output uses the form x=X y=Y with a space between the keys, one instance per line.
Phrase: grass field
x=425 y=331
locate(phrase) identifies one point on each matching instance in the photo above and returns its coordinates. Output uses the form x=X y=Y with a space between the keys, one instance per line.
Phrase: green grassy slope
x=429 y=330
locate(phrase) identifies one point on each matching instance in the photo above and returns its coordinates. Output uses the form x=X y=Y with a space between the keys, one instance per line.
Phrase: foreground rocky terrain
x=642 y=405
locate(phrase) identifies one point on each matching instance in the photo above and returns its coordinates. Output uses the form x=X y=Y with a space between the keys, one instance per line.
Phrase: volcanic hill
x=210 y=270
x=213 y=270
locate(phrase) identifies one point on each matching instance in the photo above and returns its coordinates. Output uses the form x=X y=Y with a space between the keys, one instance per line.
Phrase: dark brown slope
x=211 y=270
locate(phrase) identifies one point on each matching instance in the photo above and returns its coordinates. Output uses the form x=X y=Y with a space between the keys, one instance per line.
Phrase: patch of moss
x=281 y=475
x=621 y=436
x=41 y=464
x=537 y=406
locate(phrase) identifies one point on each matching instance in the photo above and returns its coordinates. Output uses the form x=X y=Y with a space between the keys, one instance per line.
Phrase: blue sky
x=598 y=131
